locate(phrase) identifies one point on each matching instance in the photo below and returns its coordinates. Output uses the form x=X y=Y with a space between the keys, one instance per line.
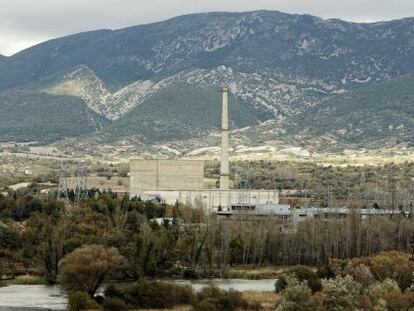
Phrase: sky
x=24 y=23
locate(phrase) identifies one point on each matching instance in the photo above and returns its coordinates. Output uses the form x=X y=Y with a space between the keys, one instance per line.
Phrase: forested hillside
x=382 y=113
x=33 y=116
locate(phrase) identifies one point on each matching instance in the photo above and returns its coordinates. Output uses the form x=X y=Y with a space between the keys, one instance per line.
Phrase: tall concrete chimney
x=224 y=167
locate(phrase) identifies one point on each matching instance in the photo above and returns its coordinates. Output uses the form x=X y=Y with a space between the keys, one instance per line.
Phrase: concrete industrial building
x=287 y=218
x=149 y=175
x=212 y=200
x=293 y=216
x=182 y=180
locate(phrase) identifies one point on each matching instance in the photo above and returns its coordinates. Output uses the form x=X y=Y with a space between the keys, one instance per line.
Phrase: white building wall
x=165 y=175
x=212 y=199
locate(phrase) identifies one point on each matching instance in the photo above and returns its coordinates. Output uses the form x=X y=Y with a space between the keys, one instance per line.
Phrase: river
x=41 y=297
x=32 y=297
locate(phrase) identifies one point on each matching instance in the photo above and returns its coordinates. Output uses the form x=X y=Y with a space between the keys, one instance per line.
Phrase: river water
x=41 y=297
x=32 y=297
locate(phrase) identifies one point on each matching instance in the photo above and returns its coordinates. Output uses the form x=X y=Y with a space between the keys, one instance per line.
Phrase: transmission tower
x=81 y=191
x=243 y=174
x=62 y=187
x=393 y=188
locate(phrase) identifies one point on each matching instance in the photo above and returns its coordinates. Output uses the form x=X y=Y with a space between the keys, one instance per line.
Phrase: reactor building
x=183 y=180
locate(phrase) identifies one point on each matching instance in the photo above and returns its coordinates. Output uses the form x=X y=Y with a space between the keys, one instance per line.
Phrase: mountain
x=293 y=46
x=161 y=81
x=180 y=111
x=381 y=114
x=261 y=94
x=32 y=116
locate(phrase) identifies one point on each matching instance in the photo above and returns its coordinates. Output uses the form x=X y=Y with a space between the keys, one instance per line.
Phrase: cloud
x=26 y=22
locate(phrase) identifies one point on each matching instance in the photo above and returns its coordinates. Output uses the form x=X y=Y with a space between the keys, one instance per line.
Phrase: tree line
x=187 y=242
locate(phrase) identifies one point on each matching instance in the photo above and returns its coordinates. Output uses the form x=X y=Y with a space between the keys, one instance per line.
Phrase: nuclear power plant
x=183 y=180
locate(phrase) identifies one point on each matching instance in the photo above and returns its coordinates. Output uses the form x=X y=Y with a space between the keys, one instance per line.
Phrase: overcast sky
x=26 y=22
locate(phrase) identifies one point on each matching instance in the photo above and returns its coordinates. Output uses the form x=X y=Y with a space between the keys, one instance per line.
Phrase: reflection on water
x=32 y=297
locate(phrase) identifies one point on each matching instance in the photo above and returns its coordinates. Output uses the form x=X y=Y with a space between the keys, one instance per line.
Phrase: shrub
x=380 y=290
x=230 y=300
x=116 y=304
x=315 y=285
x=220 y=299
x=29 y=280
x=183 y=294
x=302 y=273
x=152 y=294
x=342 y=293
x=9 y=239
x=280 y=283
x=389 y=294
x=209 y=291
x=149 y=295
x=208 y=304
x=190 y=274
x=296 y=296
x=392 y=264
x=338 y=265
x=325 y=272
x=82 y=301
x=398 y=302
x=87 y=267
x=361 y=273
x=411 y=288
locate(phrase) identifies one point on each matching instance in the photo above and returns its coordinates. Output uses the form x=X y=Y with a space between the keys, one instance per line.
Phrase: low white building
x=295 y=215
x=215 y=199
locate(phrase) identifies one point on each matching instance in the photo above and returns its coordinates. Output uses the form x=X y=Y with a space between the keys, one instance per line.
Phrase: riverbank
x=250 y=272
x=246 y=272
x=255 y=273
x=38 y=297
x=265 y=300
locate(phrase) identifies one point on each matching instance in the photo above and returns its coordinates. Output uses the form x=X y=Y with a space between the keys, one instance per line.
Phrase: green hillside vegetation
x=180 y=111
x=375 y=113
x=28 y=116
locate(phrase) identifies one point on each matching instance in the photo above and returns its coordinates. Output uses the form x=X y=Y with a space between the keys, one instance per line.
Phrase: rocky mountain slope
x=180 y=111
x=262 y=94
x=293 y=46
x=161 y=81
x=381 y=115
